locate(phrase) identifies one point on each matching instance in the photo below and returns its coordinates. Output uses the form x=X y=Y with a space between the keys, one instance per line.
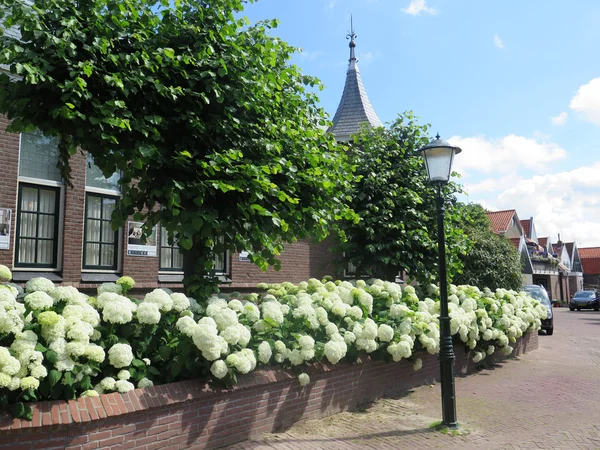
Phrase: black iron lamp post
x=438 y=156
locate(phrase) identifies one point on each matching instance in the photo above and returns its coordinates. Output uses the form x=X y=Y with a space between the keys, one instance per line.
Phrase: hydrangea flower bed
x=58 y=343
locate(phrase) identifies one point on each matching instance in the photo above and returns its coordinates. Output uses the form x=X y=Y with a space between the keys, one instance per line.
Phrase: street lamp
x=438 y=156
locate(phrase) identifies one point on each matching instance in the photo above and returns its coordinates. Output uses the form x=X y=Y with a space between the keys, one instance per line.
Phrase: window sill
x=99 y=277
x=170 y=278
x=19 y=276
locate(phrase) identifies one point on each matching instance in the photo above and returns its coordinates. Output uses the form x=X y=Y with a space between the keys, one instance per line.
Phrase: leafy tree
x=218 y=137
x=396 y=204
x=492 y=260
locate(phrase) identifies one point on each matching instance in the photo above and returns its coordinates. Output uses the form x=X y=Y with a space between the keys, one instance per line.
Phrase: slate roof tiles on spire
x=355 y=107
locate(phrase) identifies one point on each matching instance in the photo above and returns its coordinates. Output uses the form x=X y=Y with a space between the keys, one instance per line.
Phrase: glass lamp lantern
x=439 y=156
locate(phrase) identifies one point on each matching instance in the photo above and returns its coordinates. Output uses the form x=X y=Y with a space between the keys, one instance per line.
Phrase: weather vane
x=352 y=34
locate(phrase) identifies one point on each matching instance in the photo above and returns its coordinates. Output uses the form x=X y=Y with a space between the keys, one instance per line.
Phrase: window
x=100 y=241
x=37 y=226
x=38 y=157
x=38 y=204
x=171 y=258
x=100 y=246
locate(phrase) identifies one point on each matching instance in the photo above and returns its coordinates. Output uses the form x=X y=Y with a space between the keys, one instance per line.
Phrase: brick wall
x=191 y=414
x=9 y=164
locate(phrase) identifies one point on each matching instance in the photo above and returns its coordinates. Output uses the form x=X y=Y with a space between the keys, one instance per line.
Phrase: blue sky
x=514 y=83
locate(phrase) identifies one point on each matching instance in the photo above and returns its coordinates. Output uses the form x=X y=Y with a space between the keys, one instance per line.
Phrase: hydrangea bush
x=58 y=343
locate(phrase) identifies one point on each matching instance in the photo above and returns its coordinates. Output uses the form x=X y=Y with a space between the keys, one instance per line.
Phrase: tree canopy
x=492 y=260
x=219 y=138
x=396 y=203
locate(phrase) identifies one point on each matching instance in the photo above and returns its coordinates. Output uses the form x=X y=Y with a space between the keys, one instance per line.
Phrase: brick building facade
x=65 y=234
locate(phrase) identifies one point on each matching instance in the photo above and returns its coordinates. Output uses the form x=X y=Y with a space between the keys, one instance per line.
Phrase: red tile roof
x=516 y=242
x=525 y=224
x=543 y=241
x=500 y=220
x=590 y=260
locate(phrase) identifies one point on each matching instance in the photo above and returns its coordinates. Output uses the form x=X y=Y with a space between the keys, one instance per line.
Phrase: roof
x=516 y=242
x=526 y=227
x=570 y=246
x=500 y=220
x=556 y=248
x=590 y=260
x=354 y=108
x=543 y=241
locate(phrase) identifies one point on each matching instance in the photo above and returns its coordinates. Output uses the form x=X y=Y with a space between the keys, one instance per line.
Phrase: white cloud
x=561 y=119
x=587 y=101
x=311 y=56
x=564 y=202
x=505 y=155
x=416 y=7
x=498 y=42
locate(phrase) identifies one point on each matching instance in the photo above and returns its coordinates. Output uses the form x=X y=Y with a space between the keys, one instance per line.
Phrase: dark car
x=585 y=300
x=540 y=294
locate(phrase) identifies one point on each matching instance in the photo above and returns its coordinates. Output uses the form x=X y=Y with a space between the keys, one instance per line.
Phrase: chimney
x=559 y=241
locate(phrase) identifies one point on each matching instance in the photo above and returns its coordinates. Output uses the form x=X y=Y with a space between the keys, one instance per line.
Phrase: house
x=539 y=265
x=590 y=261
x=575 y=276
x=506 y=223
x=65 y=234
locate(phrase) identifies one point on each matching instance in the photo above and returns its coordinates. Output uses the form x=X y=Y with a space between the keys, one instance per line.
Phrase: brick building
x=65 y=234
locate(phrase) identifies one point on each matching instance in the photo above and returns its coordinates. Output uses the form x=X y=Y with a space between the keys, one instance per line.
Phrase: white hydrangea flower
x=124 y=374
x=385 y=333
x=69 y=294
x=39 y=300
x=40 y=284
x=90 y=393
x=224 y=318
x=123 y=386
x=264 y=352
x=148 y=313
x=75 y=348
x=186 y=325
x=145 y=383
x=236 y=305
x=251 y=312
x=335 y=350
x=120 y=355
x=161 y=298
x=108 y=384
x=219 y=369
x=303 y=379
x=180 y=302
x=94 y=353
x=29 y=383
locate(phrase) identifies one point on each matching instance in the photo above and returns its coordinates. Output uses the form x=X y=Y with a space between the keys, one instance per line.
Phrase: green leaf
x=51 y=356
x=54 y=377
x=169 y=53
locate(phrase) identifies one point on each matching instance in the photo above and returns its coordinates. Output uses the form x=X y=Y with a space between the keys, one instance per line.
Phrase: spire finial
x=352 y=36
x=437 y=136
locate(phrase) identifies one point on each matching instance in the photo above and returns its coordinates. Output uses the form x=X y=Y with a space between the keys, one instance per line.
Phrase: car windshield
x=539 y=294
x=585 y=294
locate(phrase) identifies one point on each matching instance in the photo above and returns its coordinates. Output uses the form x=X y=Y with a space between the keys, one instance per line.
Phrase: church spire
x=355 y=107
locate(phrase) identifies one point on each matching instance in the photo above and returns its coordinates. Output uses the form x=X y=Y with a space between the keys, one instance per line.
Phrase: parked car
x=540 y=294
x=585 y=300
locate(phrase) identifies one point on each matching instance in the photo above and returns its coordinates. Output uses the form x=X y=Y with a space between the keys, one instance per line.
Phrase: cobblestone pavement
x=547 y=399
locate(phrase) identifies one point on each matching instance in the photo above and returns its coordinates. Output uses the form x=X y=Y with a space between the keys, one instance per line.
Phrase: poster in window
x=5 y=216
x=135 y=245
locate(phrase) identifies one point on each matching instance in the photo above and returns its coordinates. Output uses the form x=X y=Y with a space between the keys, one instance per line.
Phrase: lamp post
x=438 y=156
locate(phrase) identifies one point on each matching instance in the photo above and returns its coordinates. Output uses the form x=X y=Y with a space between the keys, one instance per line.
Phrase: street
x=548 y=399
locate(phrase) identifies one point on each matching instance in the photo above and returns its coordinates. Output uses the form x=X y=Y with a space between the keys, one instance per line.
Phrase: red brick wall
x=190 y=414
x=73 y=213
x=9 y=164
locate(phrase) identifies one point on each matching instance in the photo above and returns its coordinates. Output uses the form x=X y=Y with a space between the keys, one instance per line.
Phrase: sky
x=515 y=84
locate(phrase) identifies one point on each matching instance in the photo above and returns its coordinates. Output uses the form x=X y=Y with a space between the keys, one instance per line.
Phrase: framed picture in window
x=136 y=246
x=5 y=216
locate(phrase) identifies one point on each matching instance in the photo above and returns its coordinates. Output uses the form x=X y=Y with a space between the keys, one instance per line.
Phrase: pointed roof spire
x=355 y=107
x=352 y=36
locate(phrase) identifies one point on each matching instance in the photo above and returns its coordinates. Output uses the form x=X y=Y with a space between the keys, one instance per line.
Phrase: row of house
x=561 y=267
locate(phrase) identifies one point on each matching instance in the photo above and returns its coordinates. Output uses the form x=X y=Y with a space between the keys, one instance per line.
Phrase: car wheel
x=549 y=331
x=578 y=309
x=571 y=309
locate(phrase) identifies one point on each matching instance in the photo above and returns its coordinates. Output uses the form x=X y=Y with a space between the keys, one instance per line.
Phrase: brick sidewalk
x=548 y=399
